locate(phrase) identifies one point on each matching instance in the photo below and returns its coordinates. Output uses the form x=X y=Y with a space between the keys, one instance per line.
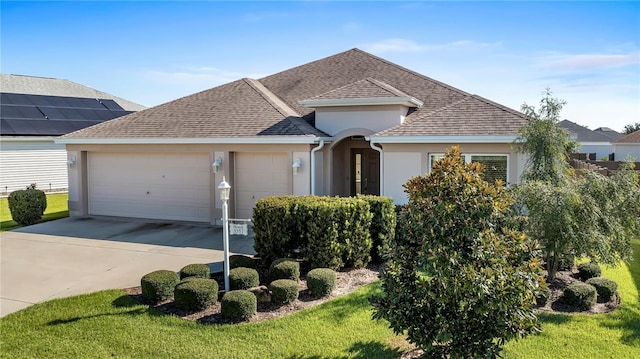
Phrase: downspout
x=379 y=149
x=313 y=166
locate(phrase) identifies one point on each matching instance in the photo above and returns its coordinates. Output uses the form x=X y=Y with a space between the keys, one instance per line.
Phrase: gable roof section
x=633 y=137
x=34 y=85
x=582 y=133
x=367 y=88
x=333 y=72
x=242 y=108
x=470 y=116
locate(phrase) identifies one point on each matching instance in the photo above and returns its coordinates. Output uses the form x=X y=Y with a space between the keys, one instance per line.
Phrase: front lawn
x=56 y=208
x=111 y=324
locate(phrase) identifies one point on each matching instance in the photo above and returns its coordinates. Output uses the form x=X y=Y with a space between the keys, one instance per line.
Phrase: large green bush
x=605 y=287
x=243 y=278
x=27 y=205
x=457 y=281
x=158 y=286
x=321 y=281
x=581 y=295
x=196 y=294
x=283 y=291
x=326 y=231
x=383 y=224
x=284 y=268
x=238 y=305
x=199 y=270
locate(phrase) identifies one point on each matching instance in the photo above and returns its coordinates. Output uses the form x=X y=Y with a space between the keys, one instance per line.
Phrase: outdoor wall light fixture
x=217 y=164
x=71 y=162
x=296 y=166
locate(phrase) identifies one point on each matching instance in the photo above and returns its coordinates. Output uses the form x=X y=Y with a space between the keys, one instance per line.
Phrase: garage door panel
x=259 y=175
x=150 y=185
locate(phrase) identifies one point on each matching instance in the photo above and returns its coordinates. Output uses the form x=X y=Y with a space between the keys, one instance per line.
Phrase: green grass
x=612 y=335
x=56 y=208
x=110 y=324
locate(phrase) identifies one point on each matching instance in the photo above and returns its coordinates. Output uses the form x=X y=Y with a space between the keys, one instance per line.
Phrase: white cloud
x=580 y=62
x=406 y=45
x=193 y=75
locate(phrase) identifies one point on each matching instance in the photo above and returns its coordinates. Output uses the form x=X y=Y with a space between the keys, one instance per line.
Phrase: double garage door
x=177 y=186
x=171 y=186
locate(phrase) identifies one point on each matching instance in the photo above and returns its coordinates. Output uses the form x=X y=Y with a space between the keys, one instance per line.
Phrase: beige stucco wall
x=333 y=120
x=403 y=161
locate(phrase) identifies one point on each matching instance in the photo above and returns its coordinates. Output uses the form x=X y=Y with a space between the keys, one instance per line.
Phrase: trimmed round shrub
x=543 y=296
x=188 y=279
x=238 y=305
x=27 y=206
x=195 y=270
x=321 y=281
x=605 y=287
x=158 y=286
x=284 y=268
x=243 y=278
x=589 y=270
x=581 y=295
x=195 y=294
x=283 y=291
x=238 y=260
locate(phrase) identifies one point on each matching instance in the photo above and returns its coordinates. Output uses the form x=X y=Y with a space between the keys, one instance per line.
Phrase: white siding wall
x=24 y=161
x=624 y=151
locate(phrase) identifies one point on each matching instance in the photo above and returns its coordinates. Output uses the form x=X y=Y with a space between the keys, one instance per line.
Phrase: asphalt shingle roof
x=633 y=137
x=584 y=134
x=269 y=106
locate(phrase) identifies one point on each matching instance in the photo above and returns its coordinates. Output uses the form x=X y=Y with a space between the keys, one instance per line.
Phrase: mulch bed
x=346 y=282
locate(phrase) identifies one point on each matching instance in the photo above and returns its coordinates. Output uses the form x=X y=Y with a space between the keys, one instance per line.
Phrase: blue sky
x=588 y=53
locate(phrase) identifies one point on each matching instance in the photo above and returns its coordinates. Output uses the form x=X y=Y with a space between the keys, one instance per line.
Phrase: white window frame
x=467 y=159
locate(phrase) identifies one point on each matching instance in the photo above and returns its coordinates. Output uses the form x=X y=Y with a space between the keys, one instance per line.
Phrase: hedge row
x=331 y=232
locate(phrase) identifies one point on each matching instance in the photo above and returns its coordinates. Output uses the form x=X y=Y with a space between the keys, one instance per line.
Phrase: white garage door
x=172 y=186
x=259 y=175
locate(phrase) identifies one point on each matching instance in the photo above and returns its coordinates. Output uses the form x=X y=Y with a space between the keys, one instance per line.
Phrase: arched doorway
x=355 y=167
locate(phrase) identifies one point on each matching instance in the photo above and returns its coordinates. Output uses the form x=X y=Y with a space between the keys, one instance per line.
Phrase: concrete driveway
x=73 y=256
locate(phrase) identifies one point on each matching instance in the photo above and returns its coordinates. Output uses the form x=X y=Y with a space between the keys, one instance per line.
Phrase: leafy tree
x=544 y=141
x=631 y=128
x=457 y=280
x=588 y=215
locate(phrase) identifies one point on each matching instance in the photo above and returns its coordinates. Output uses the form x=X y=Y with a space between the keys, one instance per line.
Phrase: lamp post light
x=225 y=188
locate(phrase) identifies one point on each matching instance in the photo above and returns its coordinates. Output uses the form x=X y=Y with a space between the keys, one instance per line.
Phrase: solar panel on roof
x=39 y=100
x=18 y=99
x=52 y=113
x=111 y=104
x=5 y=128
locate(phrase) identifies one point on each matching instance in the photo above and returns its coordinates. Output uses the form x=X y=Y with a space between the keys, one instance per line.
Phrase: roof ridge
x=271 y=98
x=385 y=86
x=629 y=138
x=410 y=71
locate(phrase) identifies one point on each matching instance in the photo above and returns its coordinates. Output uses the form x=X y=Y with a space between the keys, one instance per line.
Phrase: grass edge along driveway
x=57 y=207
x=110 y=324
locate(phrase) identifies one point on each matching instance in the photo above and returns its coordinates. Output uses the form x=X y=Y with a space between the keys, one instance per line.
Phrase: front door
x=365 y=171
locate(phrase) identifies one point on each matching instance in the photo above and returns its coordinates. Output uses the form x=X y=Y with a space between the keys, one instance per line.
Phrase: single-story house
x=592 y=141
x=627 y=147
x=35 y=110
x=348 y=124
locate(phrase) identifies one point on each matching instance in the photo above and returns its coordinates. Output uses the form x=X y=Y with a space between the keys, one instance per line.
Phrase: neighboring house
x=34 y=110
x=348 y=124
x=627 y=147
x=597 y=141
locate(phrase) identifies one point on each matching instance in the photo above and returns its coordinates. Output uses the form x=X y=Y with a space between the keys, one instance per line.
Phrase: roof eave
x=309 y=139
x=369 y=101
x=444 y=139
